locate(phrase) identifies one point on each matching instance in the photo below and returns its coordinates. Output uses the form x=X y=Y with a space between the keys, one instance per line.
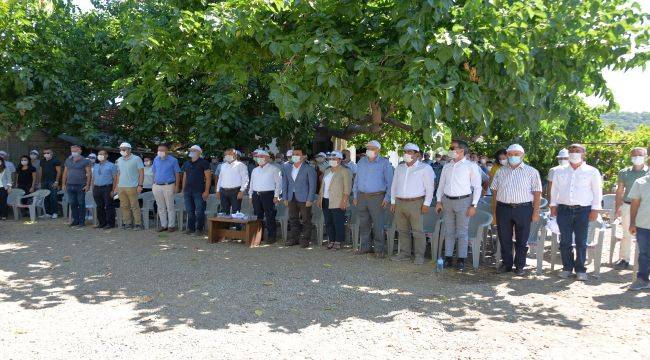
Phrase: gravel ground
x=84 y=293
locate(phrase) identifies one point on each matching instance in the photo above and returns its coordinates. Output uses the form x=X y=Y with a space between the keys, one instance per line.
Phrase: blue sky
x=631 y=88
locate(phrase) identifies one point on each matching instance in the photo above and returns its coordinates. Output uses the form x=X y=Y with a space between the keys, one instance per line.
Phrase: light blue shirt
x=373 y=176
x=103 y=174
x=129 y=171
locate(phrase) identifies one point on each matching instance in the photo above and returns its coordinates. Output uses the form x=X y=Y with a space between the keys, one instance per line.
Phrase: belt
x=515 y=205
x=373 y=193
x=457 y=197
x=263 y=192
x=411 y=199
x=163 y=184
x=628 y=202
x=572 y=206
x=111 y=185
x=231 y=189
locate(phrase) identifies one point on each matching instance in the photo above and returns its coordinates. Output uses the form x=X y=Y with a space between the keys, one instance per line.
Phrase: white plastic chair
x=91 y=206
x=65 y=204
x=147 y=208
x=609 y=207
x=595 y=237
x=478 y=225
x=211 y=206
x=389 y=226
x=282 y=217
x=353 y=226
x=431 y=224
x=37 y=203
x=13 y=199
x=179 y=204
x=318 y=220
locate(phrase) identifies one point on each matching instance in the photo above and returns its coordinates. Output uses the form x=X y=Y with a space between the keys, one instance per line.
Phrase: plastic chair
x=609 y=207
x=478 y=225
x=147 y=208
x=179 y=204
x=389 y=226
x=13 y=199
x=353 y=225
x=596 y=231
x=431 y=225
x=91 y=206
x=38 y=202
x=318 y=220
x=211 y=206
x=65 y=204
x=246 y=206
x=282 y=217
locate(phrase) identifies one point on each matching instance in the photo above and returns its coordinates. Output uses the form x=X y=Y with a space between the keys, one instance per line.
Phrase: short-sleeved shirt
x=640 y=190
x=49 y=169
x=516 y=186
x=76 y=171
x=165 y=170
x=129 y=171
x=628 y=176
x=195 y=174
x=25 y=177
x=104 y=173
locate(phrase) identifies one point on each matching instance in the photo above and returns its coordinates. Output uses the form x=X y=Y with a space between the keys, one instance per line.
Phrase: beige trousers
x=129 y=205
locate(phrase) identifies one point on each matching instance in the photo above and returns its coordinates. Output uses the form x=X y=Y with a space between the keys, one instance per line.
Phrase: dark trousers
x=229 y=202
x=643 y=242
x=299 y=222
x=3 y=202
x=51 y=204
x=105 y=205
x=573 y=221
x=334 y=222
x=264 y=209
x=511 y=219
x=195 y=207
x=77 y=200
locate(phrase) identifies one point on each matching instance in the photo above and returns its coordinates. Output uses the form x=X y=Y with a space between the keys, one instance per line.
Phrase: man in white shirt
x=232 y=182
x=410 y=196
x=517 y=188
x=575 y=200
x=562 y=161
x=459 y=190
x=264 y=192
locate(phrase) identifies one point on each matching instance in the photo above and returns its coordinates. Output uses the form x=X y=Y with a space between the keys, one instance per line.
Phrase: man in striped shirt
x=517 y=189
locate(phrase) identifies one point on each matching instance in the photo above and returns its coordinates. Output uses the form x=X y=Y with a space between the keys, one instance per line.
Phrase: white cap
x=515 y=147
x=92 y=155
x=335 y=154
x=260 y=152
x=322 y=154
x=563 y=153
x=125 y=145
x=374 y=143
x=289 y=153
x=411 y=146
x=196 y=148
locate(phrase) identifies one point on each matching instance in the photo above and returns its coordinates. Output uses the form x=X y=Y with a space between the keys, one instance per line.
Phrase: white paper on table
x=551 y=225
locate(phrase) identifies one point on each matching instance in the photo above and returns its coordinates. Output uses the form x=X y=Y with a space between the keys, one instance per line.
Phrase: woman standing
x=5 y=187
x=334 y=196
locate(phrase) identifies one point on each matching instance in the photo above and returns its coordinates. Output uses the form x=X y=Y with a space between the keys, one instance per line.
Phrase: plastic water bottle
x=440 y=264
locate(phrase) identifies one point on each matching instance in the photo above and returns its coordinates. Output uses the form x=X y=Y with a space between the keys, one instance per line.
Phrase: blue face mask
x=514 y=160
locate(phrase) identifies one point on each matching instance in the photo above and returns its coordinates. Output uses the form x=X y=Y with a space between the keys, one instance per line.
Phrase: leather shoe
x=503 y=269
x=162 y=229
x=520 y=272
x=362 y=252
x=171 y=229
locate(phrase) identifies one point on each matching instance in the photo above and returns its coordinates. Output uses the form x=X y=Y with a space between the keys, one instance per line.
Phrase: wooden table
x=219 y=229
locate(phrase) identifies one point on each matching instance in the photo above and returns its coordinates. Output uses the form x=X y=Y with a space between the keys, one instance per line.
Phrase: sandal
x=337 y=246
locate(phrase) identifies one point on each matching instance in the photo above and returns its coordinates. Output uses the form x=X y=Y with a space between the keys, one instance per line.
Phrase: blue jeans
x=195 y=207
x=643 y=242
x=77 y=199
x=334 y=223
x=51 y=205
x=573 y=221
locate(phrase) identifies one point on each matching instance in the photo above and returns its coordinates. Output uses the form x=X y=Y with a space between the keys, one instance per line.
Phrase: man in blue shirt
x=196 y=188
x=77 y=177
x=166 y=182
x=104 y=173
x=371 y=190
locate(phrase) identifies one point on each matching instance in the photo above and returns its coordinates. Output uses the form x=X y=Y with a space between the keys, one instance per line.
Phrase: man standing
x=640 y=226
x=575 y=201
x=299 y=193
x=626 y=179
x=196 y=188
x=348 y=163
x=233 y=182
x=128 y=185
x=76 y=181
x=103 y=176
x=411 y=195
x=458 y=194
x=437 y=169
x=563 y=161
x=371 y=191
x=50 y=176
x=427 y=159
x=518 y=191
x=166 y=183
x=264 y=192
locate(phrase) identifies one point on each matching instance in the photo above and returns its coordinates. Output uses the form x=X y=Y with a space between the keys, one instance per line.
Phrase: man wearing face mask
x=348 y=163
x=103 y=176
x=321 y=161
x=49 y=180
x=128 y=185
x=264 y=192
x=196 y=189
x=517 y=189
x=166 y=183
x=371 y=194
x=437 y=169
x=458 y=194
x=575 y=200
x=563 y=161
x=411 y=195
x=233 y=182
x=626 y=178
x=77 y=177
x=299 y=193
x=92 y=157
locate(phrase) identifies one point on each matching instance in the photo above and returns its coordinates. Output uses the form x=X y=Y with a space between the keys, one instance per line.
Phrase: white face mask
x=260 y=160
x=101 y=157
x=408 y=158
x=371 y=154
x=229 y=158
x=75 y=154
x=162 y=154
x=563 y=162
x=295 y=158
x=194 y=155
x=503 y=162
x=575 y=158
x=24 y=162
x=123 y=152
x=147 y=163
x=638 y=160
x=48 y=156
x=489 y=167
x=333 y=163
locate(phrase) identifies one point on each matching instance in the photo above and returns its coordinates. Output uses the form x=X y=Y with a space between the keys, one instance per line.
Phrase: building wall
x=39 y=140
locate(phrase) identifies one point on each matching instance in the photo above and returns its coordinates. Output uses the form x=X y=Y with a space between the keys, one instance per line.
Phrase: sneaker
x=401 y=257
x=564 y=274
x=419 y=260
x=640 y=284
x=581 y=276
x=138 y=228
x=520 y=272
x=127 y=227
x=622 y=265
x=46 y=215
x=55 y=216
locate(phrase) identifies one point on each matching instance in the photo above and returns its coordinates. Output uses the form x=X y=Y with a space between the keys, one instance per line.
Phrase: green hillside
x=627 y=120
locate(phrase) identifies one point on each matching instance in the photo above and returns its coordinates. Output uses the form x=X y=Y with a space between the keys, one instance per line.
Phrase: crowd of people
x=452 y=184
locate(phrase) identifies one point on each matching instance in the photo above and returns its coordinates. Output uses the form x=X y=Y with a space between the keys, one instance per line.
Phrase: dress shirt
x=266 y=178
x=458 y=178
x=373 y=176
x=103 y=173
x=327 y=180
x=233 y=175
x=165 y=170
x=516 y=186
x=582 y=186
x=294 y=171
x=412 y=182
x=552 y=171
